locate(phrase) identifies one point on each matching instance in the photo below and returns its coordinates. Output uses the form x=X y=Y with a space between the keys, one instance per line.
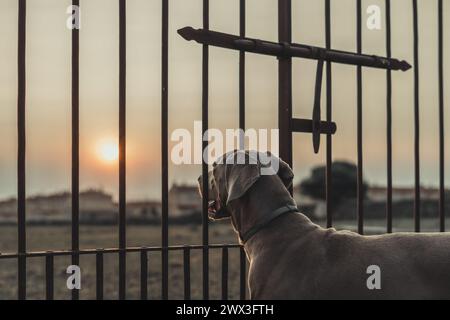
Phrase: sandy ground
x=57 y=238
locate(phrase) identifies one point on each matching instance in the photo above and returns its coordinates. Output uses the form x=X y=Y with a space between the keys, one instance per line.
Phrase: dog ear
x=278 y=166
x=241 y=177
x=286 y=174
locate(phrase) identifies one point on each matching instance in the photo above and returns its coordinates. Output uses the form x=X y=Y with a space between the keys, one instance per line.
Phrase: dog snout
x=211 y=184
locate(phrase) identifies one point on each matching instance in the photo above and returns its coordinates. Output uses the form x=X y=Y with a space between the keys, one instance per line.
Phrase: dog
x=292 y=258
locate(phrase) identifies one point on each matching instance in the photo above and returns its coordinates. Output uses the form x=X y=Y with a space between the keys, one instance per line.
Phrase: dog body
x=292 y=258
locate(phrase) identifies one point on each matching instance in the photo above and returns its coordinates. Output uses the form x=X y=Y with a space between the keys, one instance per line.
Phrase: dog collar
x=269 y=218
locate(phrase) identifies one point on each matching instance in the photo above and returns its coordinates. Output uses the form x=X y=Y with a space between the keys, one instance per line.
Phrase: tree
x=343 y=182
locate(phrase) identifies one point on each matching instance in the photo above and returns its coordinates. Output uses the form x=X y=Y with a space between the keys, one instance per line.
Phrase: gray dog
x=293 y=258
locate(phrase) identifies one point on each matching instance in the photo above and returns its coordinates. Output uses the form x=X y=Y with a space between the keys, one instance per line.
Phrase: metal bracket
x=286 y=50
x=290 y=50
x=316 y=109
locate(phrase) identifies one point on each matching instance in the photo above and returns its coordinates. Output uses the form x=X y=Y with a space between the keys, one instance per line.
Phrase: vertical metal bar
x=285 y=83
x=144 y=274
x=441 y=120
x=242 y=32
x=187 y=273
x=360 y=198
x=243 y=274
x=388 y=121
x=122 y=149
x=205 y=103
x=21 y=194
x=242 y=27
x=99 y=275
x=49 y=279
x=329 y=154
x=416 y=121
x=164 y=149
x=225 y=273
x=75 y=147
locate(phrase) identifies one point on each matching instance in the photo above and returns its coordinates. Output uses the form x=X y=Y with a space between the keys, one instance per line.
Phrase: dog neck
x=251 y=210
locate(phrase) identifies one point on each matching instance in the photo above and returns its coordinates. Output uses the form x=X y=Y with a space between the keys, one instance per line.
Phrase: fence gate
x=284 y=50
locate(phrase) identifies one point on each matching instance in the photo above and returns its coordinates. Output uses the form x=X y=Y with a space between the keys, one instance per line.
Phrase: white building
x=58 y=206
x=184 y=199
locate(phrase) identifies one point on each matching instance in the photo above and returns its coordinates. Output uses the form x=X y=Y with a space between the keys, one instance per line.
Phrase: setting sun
x=109 y=151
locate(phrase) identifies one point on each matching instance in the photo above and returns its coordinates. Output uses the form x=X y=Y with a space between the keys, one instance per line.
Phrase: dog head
x=234 y=174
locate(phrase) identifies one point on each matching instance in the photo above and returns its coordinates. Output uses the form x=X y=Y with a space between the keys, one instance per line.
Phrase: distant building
x=184 y=199
x=58 y=206
x=145 y=210
x=375 y=196
x=97 y=206
x=96 y=201
x=8 y=210
x=378 y=194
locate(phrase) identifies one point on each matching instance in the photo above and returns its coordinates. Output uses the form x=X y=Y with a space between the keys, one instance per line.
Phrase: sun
x=108 y=151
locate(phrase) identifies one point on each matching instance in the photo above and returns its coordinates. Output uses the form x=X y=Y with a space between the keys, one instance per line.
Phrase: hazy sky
x=49 y=95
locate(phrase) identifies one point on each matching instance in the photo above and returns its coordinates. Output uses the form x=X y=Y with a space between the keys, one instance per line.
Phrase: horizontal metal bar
x=229 y=41
x=305 y=125
x=35 y=254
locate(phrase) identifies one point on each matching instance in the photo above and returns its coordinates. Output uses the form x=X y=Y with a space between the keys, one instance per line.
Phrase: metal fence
x=287 y=126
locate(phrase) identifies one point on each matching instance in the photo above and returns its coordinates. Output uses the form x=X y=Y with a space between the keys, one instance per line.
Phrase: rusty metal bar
x=441 y=118
x=205 y=105
x=305 y=125
x=122 y=149
x=329 y=116
x=224 y=273
x=242 y=125
x=285 y=49
x=99 y=274
x=316 y=116
x=388 y=121
x=144 y=275
x=187 y=273
x=360 y=198
x=21 y=136
x=49 y=277
x=285 y=83
x=242 y=22
x=243 y=273
x=164 y=150
x=75 y=147
x=35 y=254
x=416 y=121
